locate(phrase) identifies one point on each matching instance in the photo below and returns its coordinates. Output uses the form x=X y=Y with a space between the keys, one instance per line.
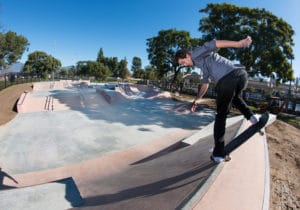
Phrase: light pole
x=4 y=76
x=290 y=89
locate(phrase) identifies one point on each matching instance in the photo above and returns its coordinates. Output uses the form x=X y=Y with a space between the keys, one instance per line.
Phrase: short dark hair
x=181 y=54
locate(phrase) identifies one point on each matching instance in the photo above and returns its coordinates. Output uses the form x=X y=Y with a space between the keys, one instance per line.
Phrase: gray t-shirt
x=213 y=66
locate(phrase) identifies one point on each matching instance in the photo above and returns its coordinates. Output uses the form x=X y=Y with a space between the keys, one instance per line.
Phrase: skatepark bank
x=278 y=192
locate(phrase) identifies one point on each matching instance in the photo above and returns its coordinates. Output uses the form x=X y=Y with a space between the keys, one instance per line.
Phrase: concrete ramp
x=172 y=171
x=180 y=176
x=243 y=182
x=167 y=180
x=121 y=93
x=112 y=96
x=44 y=97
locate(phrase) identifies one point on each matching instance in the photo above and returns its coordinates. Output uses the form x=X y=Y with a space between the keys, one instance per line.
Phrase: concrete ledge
x=208 y=130
x=266 y=200
x=21 y=102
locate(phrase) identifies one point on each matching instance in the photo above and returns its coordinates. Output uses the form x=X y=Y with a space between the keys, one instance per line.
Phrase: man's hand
x=245 y=42
x=194 y=106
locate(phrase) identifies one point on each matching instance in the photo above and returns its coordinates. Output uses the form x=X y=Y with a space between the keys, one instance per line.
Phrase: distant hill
x=67 y=67
x=14 y=68
x=17 y=67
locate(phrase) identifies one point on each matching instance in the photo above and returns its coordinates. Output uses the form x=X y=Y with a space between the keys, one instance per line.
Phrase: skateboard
x=248 y=133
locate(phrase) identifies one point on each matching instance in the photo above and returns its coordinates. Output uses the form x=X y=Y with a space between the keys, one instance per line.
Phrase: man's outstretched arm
x=200 y=95
x=235 y=44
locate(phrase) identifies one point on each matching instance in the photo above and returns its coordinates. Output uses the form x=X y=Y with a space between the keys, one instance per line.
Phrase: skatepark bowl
x=76 y=144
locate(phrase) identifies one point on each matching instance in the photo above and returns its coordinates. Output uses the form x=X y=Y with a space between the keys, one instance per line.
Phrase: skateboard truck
x=261 y=132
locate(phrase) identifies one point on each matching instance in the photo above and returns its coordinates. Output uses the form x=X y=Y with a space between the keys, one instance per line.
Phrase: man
x=230 y=80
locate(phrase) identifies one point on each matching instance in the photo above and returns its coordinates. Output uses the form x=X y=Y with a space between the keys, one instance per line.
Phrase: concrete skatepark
x=107 y=146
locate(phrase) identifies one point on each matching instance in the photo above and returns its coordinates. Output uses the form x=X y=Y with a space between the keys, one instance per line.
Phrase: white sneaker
x=219 y=159
x=253 y=119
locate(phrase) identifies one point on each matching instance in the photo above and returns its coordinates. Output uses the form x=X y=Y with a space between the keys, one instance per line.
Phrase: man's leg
x=237 y=101
x=219 y=131
x=225 y=93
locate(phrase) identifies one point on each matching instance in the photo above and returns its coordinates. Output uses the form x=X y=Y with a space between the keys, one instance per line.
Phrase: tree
x=63 y=72
x=162 y=48
x=271 y=50
x=111 y=63
x=12 y=47
x=150 y=73
x=136 y=67
x=136 y=64
x=98 y=70
x=41 y=64
x=140 y=73
x=123 y=70
x=100 y=57
x=72 y=71
x=93 y=69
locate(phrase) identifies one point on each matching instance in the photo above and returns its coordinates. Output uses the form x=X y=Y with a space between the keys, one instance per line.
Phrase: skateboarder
x=230 y=80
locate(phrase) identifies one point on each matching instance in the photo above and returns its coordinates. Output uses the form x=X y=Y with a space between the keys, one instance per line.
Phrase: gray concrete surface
x=89 y=129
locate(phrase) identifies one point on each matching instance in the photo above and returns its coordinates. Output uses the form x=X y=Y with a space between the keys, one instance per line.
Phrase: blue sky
x=75 y=30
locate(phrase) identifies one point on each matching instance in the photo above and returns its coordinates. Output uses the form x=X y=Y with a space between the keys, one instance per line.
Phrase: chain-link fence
x=257 y=99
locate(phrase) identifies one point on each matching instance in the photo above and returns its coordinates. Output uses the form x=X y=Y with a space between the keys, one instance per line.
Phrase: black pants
x=229 y=90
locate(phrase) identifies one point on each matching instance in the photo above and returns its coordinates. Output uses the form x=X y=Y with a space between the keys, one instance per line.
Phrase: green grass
x=290 y=120
x=254 y=109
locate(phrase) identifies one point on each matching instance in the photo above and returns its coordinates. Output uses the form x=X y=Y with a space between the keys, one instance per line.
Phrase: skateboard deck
x=247 y=134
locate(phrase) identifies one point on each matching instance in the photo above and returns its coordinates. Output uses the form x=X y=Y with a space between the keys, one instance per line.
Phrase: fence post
x=4 y=79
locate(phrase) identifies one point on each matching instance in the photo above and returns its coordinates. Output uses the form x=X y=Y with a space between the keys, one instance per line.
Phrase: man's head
x=183 y=57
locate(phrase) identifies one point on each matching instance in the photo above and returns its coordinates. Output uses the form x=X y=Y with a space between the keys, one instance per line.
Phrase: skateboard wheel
x=261 y=132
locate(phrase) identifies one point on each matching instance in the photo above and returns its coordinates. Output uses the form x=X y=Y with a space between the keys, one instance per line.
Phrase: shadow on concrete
x=171 y=148
x=163 y=182
x=72 y=194
x=163 y=186
x=3 y=174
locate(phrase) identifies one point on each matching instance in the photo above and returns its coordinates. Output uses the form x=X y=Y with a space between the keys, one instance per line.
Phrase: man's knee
x=221 y=115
